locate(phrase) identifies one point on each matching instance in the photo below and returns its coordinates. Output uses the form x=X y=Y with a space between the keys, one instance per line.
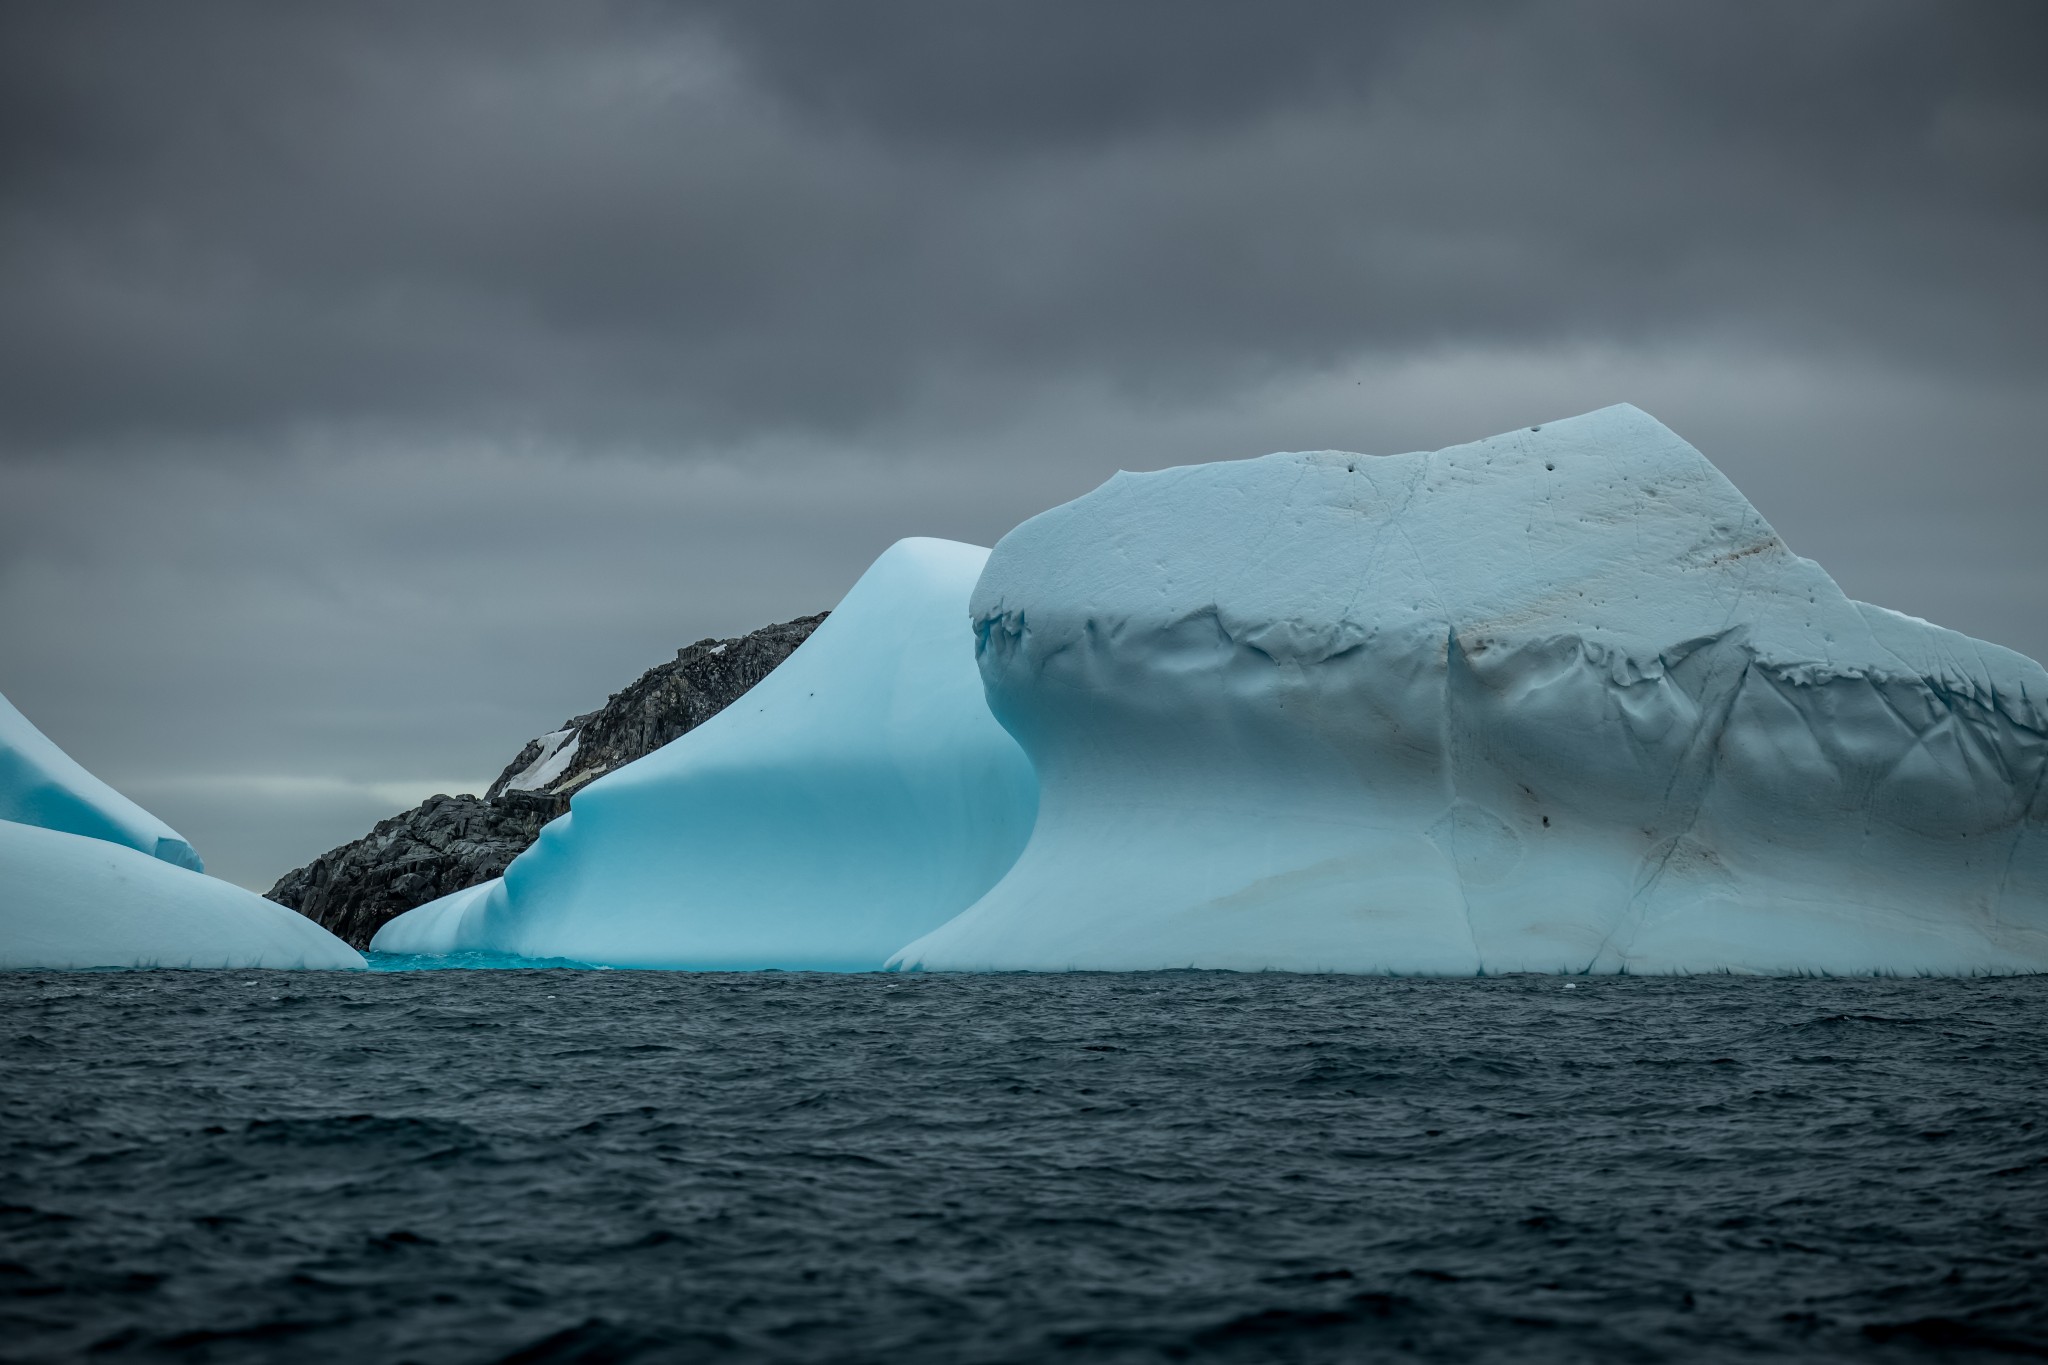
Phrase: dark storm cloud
x=1008 y=76
x=665 y=224
x=381 y=383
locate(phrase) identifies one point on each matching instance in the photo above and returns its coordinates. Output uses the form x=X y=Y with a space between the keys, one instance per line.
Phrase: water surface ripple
x=584 y=1166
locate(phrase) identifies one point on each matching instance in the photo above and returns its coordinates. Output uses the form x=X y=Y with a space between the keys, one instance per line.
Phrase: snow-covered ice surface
x=69 y=901
x=1555 y=701
x=42 y=785
x=858 y=796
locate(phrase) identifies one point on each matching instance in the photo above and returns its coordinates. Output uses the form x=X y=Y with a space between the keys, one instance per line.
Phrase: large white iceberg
x=1559 y=700
x=90 y=879
x=858 y=796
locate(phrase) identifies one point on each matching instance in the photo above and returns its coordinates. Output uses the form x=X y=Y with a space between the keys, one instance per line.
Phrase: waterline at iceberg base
x=1555 y=701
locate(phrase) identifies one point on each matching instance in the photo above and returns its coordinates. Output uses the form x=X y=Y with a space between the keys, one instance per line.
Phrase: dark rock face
x=442 y=845
x=450 y=842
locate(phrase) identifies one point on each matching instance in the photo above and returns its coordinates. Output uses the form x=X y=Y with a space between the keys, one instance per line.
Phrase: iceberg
x=1560 y=700
x=42 y=785
x=70 y=901
x=858 y=796
x=90 y=879
x=437 y=928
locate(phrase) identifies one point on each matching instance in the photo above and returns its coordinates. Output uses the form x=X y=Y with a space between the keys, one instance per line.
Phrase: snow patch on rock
x=556 y=749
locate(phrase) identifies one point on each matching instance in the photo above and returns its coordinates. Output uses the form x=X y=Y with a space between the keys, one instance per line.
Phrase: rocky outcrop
x=441 y=845
x=447 y=843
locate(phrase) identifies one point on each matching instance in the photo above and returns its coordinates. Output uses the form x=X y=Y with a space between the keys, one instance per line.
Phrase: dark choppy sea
x=580 y=1166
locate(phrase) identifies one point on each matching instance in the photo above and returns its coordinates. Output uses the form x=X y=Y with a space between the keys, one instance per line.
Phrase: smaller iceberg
x=856 y=798
x=42 y=785
x=69 y=901
x=90 y=879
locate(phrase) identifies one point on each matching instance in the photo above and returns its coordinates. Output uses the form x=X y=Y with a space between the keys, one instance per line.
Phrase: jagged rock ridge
x=447 y=843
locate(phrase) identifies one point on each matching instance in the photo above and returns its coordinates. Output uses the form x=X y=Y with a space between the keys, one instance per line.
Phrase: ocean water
x=587 y=1166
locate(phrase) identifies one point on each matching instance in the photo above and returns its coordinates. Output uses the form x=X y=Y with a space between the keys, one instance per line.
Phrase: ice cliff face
x=449 y=843
x=856 y=797
x=1559 y=700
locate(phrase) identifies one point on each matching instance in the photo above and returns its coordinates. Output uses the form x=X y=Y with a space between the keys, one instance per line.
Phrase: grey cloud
x=1011 y=76
x=693 y=222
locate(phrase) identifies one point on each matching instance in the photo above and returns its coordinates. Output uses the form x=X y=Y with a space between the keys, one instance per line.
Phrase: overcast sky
x=382 y=383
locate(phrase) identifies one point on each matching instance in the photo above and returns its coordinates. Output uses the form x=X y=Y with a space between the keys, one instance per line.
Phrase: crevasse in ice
x=1559 y=700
